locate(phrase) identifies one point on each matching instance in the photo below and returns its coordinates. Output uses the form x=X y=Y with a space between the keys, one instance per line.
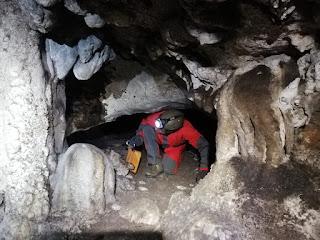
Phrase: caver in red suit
x=170 y=131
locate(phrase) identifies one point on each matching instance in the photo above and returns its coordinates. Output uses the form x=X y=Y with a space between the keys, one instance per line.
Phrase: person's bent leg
x=153 y=152
x=172 y=159
x=151 y=145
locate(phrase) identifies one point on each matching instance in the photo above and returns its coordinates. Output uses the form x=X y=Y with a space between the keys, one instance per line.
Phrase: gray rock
x=204 y=37
x=141 y=211
x=120 y=167
x=124 y=184
x=82 y=185
x=84 y=71
x=87 y=47
x=60 y=58
x=94 y=20
x=47 y=3
x=209 y=77
x=39 y=18
x=24 y=127
x=73 y=6
x=158 y=92
x=309 y=69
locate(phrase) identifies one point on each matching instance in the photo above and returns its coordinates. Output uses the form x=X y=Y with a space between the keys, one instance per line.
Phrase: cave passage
x=114 y=134
x=133 y=188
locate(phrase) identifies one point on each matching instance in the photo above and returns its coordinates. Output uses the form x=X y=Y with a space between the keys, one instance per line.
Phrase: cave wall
x=24 y=129
x=257 y=189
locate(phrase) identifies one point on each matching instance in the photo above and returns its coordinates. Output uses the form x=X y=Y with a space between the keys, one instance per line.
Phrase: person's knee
x=169 y=166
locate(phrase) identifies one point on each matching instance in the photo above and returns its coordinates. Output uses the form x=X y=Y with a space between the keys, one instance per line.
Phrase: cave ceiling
x=167 y=34
x=198 y=43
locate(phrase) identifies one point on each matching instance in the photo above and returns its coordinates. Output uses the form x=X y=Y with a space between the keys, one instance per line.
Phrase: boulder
x=94 y=20
x=87 y=47
x=84 y=71
x=73 y=6
x=60 y=58
x=82 y=185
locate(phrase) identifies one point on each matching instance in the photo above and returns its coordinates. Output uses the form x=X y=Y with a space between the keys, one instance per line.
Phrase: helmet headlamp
x=158 y=123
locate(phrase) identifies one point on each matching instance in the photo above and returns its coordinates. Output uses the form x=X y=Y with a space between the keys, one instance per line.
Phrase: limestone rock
x=73 y=6
x=87 y=47
x=141 y=211
x=302 y=43
x=309 y=69
x=84 y=71
x=159 y=92
x=39 y=18
x=47 y=3
x=124 y=184
x=205 y=37
x=60 y=58
x=118 y=165
x=212 y=77
x=24 y=127
x=83 y=184
x=94 y=20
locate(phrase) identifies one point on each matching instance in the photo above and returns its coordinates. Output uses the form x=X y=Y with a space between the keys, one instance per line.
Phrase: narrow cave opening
x=114 y=134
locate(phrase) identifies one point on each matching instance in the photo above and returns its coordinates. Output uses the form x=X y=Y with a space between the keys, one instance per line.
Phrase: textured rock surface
x=84 y=71
x=60 y=58
x=142 y=211
x=94 y=20
x=124 y=95
x=39 y=18
x=73 y=6
x=255 y=188
x=24 y=127
x=82 y=185
x=158 y=93
x=87 y=47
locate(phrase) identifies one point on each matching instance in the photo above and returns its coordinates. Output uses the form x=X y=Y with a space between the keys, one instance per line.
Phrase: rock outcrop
x=257 y=183
x=24 y=128
x=83 y=185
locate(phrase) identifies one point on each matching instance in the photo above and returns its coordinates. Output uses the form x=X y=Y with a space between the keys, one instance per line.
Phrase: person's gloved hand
x=200 y=175
x=131 y=143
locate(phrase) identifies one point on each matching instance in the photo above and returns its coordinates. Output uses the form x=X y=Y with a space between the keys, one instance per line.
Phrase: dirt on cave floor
x=159 y=190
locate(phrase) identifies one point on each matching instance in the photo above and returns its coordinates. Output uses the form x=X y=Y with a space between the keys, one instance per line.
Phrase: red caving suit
x=173 y=144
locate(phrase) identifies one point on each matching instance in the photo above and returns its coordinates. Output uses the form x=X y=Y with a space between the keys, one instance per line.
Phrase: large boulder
x=83 y=185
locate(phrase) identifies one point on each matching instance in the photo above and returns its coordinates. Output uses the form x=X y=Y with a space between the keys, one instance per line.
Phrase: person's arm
x=136 y=140
x=203 y=148
x=198 y=142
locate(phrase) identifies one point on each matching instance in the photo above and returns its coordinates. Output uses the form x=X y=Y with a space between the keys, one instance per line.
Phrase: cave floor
x=159 y=190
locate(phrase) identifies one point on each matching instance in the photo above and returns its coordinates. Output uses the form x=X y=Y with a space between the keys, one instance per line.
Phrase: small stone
x=143 y=189
x=142 y=182
x=181 y=187
x=115 y=207
x=129 y=176
x=191 y=185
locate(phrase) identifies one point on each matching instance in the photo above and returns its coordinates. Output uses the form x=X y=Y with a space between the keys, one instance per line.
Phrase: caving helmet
x=170 y=121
